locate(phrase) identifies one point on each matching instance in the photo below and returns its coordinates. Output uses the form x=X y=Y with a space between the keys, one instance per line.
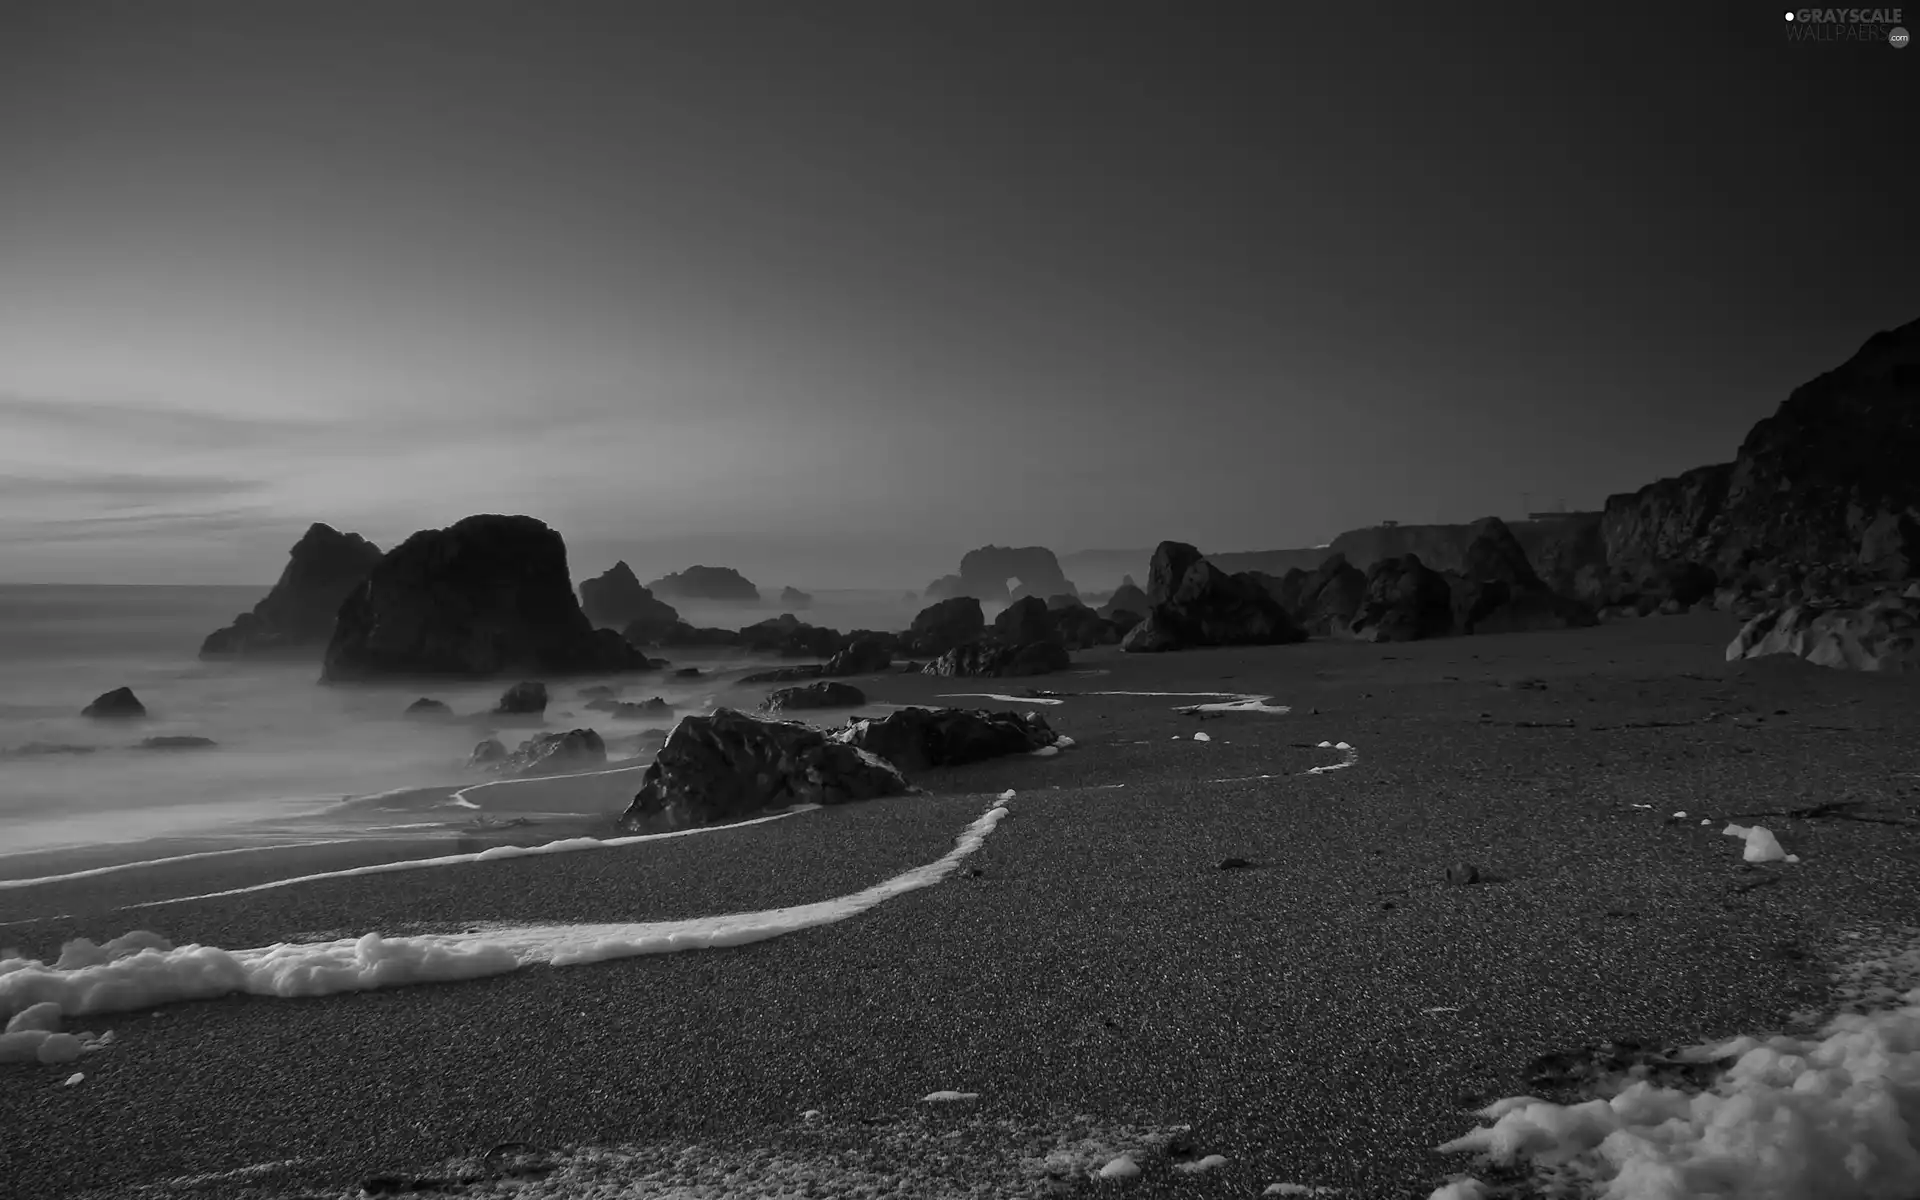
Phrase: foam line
x=93 y=872
x=491 y=854
x=998 y=696
x=460 y=797
x=140 y=971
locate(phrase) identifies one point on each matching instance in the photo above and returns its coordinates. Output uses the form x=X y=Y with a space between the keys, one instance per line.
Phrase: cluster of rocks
x=555 y=753
x=730 y=765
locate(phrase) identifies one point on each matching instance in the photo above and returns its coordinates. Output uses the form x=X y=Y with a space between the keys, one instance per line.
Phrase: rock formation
x=984 y=575
x=1882 y=634
x=426 y=706
x=715 y=585
x=1498 y=591
x=915 y=739
x=523 y=699
x=1194 y=603
x=1405 y=601
x=795 y=599
x=1127 y=598
x=486 y=596
x=814 y=695
x=120 y=704
x=729 y=766
x=1329 y=597
x=323 y=567
x=940 y=627
x=990 y=659
x=618 y=600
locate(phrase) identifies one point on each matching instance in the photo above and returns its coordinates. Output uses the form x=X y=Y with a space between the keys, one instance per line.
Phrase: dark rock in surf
x=323 y=568
x=177 y=742
x=715 y=585
x=915 y=739
x=556 y=754
x=940 y=627
x=618 y=600
x=486 y=596
x=729 y=766
x=120 y=704
x=827 y=694
x=487 y=753
x=428 y=707
x=523 y=699
x=861 y=656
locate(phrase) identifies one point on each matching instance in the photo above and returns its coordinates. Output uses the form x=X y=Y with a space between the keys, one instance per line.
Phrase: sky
x=834 y=292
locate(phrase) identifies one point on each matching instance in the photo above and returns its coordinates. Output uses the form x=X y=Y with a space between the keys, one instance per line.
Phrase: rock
x=817 y=695
x=617 y=599
x=945 y=625
x=1330 y=596
x=1882 y=634
x=523 y=699
x=985 y=574
x=1078 y=627
x=120 y=704
x=487 y=753
x=1126 y=598
x=992 y=659
x=177 y=742
x=1234 y=864
x=623 y=710
x=861 y=656
x=1461 y=874
x=916 y=739
x=323 y=568
x=1123 y=621
x=1194 y=603
x=1405 y=602
x=716 y=585
x=730 y=765
x=1827 y=478
x=556 y=754
x=1500 y=609
x=1890 y=546
x=790 y=637
x=794 y=598
x=427 y=707
x=487 y=596
x=1025 y=620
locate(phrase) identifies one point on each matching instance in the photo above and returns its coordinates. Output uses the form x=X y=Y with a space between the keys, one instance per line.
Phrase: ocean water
x=293 y=758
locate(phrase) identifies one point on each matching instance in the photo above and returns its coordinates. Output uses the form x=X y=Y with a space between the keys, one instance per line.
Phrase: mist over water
x=293 y=758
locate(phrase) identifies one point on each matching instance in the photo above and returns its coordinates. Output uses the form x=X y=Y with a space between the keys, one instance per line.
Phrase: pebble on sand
x=1122 y=1167
x=1205 y=1164
x=948 y=1097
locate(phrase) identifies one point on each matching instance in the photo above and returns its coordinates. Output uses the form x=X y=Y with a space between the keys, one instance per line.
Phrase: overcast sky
x=832 y=292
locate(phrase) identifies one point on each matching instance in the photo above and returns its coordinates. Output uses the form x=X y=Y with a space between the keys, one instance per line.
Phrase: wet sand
x=1099 y=963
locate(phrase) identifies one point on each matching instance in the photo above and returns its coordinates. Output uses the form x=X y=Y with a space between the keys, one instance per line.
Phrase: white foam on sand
x=1002 y=698
x=1833 y=1115
x=140 y=970
x=93 y=872
x=461 y=798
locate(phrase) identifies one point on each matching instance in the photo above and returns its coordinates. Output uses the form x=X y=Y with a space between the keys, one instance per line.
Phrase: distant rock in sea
x=487 y=596
x=323 y=567
x=716 y=585
x=618 y=600
x=795 y=599
x=428 y=707
x=985 y=574
x=177 y=742
x=120 y=704
x=554 y=754
x=523 y=699
x=826 y=694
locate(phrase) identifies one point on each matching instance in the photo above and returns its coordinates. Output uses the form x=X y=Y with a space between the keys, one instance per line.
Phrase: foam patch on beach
x=94 y=872
x=141 y=970
x=1833 y=1115
x=1348 y=757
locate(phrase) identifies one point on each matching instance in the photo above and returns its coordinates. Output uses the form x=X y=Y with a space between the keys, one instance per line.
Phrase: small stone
x=1461 y=874
x=1233 y=864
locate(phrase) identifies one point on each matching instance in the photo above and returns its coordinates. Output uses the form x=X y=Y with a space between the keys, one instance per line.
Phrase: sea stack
x=323 y=567
x=487 y=596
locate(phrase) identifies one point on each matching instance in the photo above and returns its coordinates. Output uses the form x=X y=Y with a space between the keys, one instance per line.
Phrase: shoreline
x=1322 y=1017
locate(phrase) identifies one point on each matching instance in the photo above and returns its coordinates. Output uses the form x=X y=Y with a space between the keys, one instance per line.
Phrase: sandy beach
x=1325 y=1017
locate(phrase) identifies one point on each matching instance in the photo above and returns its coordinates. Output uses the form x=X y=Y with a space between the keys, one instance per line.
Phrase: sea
x=293 y=759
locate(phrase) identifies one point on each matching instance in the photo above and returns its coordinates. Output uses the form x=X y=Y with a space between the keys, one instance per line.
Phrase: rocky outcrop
x=1498 y=591
x=322 y=569
x=826 y=694
x=1194 y=603
x=682 y=634
x=715 y=585
x=795 y=599
x=120 y=704
x=555 y=754
x=487 y=596
x=990 y=659
x=1882 y=634
x=1126 y=598
x=1405 y=602
x=426 y=706
x=861 y=656
x=627 y=710
x=523 y=699
x=730 y=766
x=1329 y=597
x=618 y=600
x=940 y=627
x=985 y=574
x=1078 y=627
x=916 y=739
x=1828 y=478
x=790 y=637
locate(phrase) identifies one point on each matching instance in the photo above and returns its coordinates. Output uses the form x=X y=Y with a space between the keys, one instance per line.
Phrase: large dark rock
x=1025 y=620
x=729 y=766
x=826 y=694
x=322 y=569
x=487 y=596
x=716 y=585
x=120 y=704
x=1824 y=479
x=940 y=627
x=426 y=706
x=1329 y=597
x=994 y=659
x=1405 y=602
x=1078 y=627
x=915 y=739
x=1194 y=603
x=618 y=600
x=1498 y=591
x=984 y=575
x=555 y=754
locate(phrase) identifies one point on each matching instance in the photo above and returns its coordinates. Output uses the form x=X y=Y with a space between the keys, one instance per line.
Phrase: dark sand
x=1100 y=964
